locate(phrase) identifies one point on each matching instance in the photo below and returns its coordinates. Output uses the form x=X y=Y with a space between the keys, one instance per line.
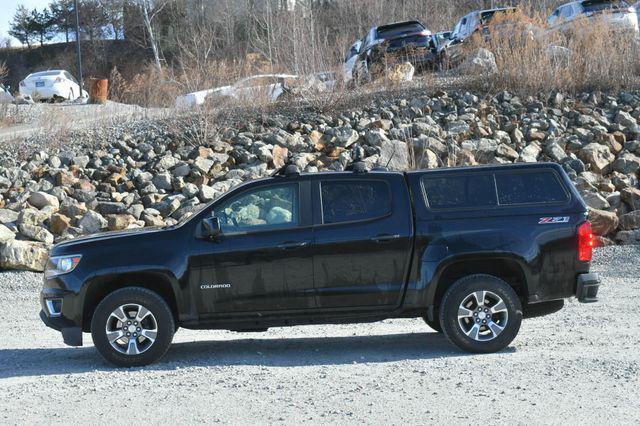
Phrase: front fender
x=153 y=277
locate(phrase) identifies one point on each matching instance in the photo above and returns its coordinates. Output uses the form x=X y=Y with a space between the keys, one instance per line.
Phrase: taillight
x=586 y=242
x=59 y=80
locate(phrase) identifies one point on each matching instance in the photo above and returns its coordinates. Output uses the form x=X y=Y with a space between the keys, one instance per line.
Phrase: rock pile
x=153 y=174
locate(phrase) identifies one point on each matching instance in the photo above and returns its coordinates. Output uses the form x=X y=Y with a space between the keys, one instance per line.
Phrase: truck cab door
x=262 y=260
x=363 y=230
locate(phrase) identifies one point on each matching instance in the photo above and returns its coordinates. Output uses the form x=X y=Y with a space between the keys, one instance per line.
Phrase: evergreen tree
x=42 y=25
x=22 y=26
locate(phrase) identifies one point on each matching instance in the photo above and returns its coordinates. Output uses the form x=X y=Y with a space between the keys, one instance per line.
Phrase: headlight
x=60 y=265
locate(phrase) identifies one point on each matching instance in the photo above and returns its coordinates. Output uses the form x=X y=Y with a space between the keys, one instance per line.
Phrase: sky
x=8 y=9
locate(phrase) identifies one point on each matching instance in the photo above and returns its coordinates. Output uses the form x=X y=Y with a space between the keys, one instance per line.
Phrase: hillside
x=99 y=58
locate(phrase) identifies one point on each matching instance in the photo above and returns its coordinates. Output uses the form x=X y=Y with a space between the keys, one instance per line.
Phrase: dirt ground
x=578 y=366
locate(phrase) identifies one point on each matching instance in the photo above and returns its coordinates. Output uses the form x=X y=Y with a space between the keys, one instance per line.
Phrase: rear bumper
x=418 y=60
x=587 y=288
x=42 y=92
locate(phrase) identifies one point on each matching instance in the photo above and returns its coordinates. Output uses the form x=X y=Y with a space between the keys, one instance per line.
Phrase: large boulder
x=627 y=163
x=595 y=200
x=598 y=156
x=401 y=73
x=6 y=234
x=92 y=222
x=8 y=216
x=394 y=155
x=36 y=233
x=32 y=217
x=628 y=237
x=59 y=223
x=631 y=196
x=23 y=255
x=118 y=222
x=603 y=222
x=478 y=62
x=630 y=221
x=42 y=199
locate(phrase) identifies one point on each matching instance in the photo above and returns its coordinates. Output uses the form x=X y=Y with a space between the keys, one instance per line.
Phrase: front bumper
x=587 y=288
x=71 y=334
x=60 y=315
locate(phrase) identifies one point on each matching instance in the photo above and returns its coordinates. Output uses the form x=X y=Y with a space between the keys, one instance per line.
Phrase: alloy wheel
x=131 y=329
x=482 y=316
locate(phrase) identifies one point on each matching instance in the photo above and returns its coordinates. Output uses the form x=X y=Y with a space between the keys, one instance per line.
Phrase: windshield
x=45 y=74
x=487 y=16
x=592 y=6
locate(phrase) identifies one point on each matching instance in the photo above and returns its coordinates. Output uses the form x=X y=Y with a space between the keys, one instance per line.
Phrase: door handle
x=293 y=245
x=385 y=238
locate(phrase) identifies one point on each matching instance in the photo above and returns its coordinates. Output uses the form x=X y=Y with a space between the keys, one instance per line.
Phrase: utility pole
x=78 y=50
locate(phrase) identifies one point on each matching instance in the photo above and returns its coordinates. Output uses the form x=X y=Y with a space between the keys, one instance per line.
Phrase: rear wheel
x=481 y=314
x=132 y=327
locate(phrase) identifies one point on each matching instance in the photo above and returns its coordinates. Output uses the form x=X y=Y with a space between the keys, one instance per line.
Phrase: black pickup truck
x=470 y=250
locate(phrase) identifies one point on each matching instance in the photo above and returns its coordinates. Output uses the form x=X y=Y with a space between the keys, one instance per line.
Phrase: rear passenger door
x=363 y=231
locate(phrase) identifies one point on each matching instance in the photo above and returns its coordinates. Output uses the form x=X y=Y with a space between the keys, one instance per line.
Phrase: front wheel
x=132 y=327
x=481 y=314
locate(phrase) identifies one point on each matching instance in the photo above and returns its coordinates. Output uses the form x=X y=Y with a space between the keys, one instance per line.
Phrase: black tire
x=435 y=324
x=459 y=292
x=161 y=314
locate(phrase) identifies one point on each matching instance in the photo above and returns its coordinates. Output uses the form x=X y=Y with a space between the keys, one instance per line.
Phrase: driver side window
x=274 y=207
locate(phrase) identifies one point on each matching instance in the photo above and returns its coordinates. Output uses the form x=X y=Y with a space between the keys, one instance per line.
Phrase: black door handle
x=385 y=238
x=293 y=245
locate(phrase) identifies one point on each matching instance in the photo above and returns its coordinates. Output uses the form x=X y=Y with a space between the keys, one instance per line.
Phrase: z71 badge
x=552 y=220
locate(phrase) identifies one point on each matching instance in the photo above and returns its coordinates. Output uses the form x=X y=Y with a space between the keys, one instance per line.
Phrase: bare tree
x=150 y=10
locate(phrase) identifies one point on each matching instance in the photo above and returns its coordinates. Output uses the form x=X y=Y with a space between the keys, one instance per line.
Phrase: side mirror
x=211 y=227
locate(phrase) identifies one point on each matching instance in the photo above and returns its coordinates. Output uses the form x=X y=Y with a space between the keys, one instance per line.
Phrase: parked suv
x=471 y=250
x=394 y=43
x=617 y=14
x=350 y=60
x=473 y=23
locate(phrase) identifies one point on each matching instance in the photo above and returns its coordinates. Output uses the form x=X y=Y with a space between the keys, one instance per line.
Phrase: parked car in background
x=441 y=39
x=5 y=96
x=619 y=14
x=350 y=60
x=265 y=87
x=51 y=85
x=391 y=44
x=473 y=23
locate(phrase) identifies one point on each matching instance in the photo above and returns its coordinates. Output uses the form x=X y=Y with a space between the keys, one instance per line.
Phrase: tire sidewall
x=461 y=289
x=140 y=296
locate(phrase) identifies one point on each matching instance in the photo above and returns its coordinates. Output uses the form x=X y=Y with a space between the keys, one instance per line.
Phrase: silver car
x=619 y=14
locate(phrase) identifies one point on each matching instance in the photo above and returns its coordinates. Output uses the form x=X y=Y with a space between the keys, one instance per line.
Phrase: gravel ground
x=47 y=119
x=577 y=366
